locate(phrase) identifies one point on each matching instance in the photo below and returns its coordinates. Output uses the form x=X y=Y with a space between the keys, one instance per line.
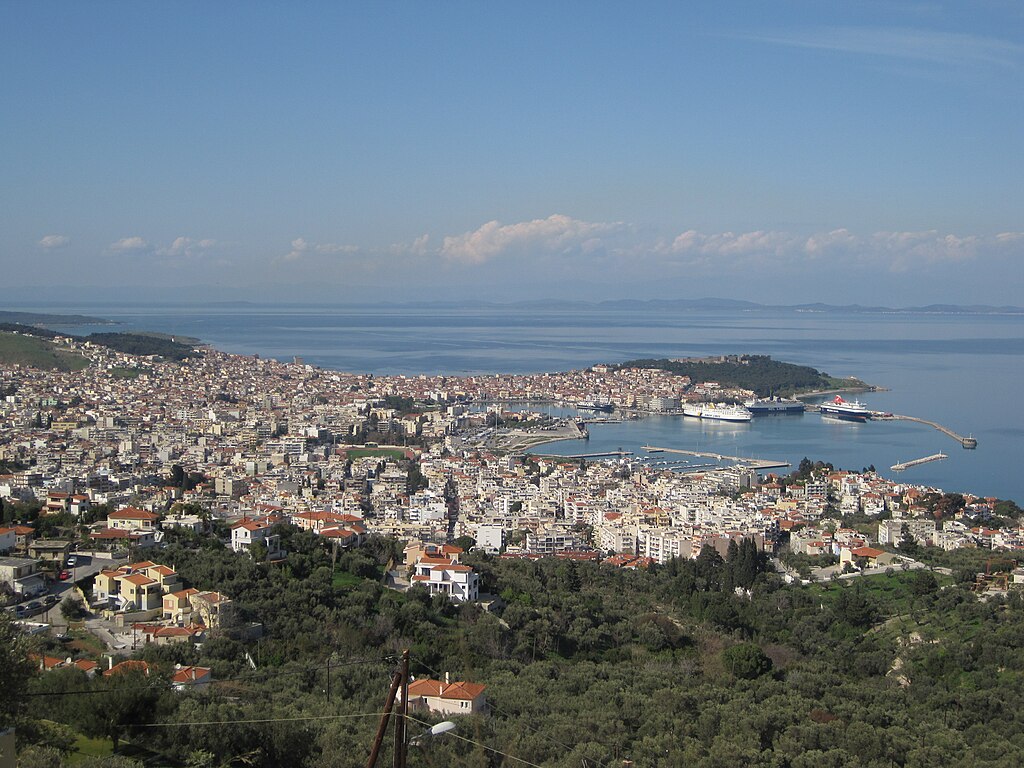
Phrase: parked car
x=64 y=575
x=33 y=608
x=50 y=599
x=20 y=611
x=72 y=561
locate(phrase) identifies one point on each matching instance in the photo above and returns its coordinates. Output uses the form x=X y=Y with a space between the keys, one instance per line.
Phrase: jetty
x=604 y=455
x=752 y=463
x=899 y=467
x=966 y=442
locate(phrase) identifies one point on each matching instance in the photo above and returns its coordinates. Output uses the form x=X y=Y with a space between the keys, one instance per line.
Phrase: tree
x=746 y=661
x=15 y=671
x=923 y=583
x=907 y=544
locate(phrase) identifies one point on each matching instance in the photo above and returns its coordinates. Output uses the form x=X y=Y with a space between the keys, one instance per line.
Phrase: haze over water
x=962 y=371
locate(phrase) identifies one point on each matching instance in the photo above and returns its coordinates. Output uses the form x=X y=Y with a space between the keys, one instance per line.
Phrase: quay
x=899 y=467
x=582 y=455
x=753 y=463
x=966 y=442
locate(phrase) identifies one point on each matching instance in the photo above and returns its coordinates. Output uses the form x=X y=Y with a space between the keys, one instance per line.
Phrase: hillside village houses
x=255 y=444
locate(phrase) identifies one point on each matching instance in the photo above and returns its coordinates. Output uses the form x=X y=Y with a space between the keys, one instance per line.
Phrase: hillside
x=758 y=373
x=585 y=664
x=143 y=344
x=38 y=353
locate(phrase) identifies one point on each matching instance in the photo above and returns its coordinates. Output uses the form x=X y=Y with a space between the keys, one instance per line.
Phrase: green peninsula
x=758 y=373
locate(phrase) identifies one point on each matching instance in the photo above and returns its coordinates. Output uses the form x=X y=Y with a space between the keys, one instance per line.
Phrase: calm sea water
x=963 y=371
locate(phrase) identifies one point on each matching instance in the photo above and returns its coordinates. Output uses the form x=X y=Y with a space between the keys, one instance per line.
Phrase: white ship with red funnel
x=840 y=409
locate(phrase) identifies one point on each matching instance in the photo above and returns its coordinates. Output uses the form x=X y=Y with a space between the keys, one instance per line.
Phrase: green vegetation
x=707 y=662
x=119 y=372
x=388 y=453
x=142 y=344
x=38 y=353
x=758 y=373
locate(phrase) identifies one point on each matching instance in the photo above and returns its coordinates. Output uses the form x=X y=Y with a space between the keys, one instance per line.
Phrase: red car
x=65 y=575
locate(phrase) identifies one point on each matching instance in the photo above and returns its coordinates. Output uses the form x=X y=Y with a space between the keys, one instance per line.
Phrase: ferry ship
x=840 y=409
x=718 y=412
x=596 y=404
x=761 y=405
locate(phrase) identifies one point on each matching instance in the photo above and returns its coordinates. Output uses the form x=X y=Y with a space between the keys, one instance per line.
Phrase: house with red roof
x=191 y=678
x=132 y=519
x=447 y=698
x=249 y=531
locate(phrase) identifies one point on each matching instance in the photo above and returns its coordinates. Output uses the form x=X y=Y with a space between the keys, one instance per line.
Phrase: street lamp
x=437 y=730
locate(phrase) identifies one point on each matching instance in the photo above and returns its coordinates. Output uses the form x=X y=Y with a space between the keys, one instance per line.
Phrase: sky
x=786 y=152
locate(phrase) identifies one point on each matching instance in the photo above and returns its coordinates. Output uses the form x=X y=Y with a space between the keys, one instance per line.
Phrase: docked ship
x=762 y=405
x=596 y=404
x=718 y=412
x=840 y=409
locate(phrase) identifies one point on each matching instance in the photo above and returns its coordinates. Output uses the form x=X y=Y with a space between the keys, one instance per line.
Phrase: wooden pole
x=396 y=680
x=401 y=721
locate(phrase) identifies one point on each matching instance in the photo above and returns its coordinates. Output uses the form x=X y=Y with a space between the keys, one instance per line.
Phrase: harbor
x=758 y=464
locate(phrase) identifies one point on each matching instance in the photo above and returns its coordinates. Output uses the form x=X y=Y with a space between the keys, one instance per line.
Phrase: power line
x=262 y=720
x=236 y=678
x=509 y=715
x=478 y=744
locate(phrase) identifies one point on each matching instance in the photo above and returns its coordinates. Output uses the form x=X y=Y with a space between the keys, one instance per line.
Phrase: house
x=24 y=535
x=160 y=634
x=416 y=551
x=191 y=678
x=50 y=550
x=132 y=519
x=445 y=698
x=22 y=576
x=131 y=665
x=873 y=558
x=8 y=540
x=136 y=591
x=212 y=609
x=247 y=532
x=178 y=605
x=459 y=582
x=138 y=586
x=86 y=665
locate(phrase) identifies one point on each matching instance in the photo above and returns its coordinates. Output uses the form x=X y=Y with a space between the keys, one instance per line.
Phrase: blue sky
x=784 y=152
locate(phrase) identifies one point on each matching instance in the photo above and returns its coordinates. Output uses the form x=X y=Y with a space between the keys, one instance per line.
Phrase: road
x=85 y=567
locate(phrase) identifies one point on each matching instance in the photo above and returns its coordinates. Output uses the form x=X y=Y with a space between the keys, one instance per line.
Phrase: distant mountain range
x=713 y=304
x=624 y=305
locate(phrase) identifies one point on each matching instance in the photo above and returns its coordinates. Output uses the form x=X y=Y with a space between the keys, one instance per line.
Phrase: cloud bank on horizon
x=570 y=239
x=557 y=250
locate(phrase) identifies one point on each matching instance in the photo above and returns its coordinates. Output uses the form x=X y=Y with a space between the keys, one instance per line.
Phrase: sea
x=964 y=371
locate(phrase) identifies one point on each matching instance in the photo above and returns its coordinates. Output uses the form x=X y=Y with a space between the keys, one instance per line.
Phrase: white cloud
x=556 y=234
x=52 y=242
x=896 y=251
x=302 y=247
x=129 y=244
x=187 y=247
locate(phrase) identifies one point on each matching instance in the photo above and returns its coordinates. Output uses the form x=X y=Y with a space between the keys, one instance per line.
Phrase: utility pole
x=401 y=721
x=396 y=681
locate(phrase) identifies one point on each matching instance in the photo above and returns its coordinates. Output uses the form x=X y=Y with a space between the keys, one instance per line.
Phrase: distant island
x=758 y=373
x=46 y=319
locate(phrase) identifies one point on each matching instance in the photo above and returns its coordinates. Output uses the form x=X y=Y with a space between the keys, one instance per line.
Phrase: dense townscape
x=159 y=502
